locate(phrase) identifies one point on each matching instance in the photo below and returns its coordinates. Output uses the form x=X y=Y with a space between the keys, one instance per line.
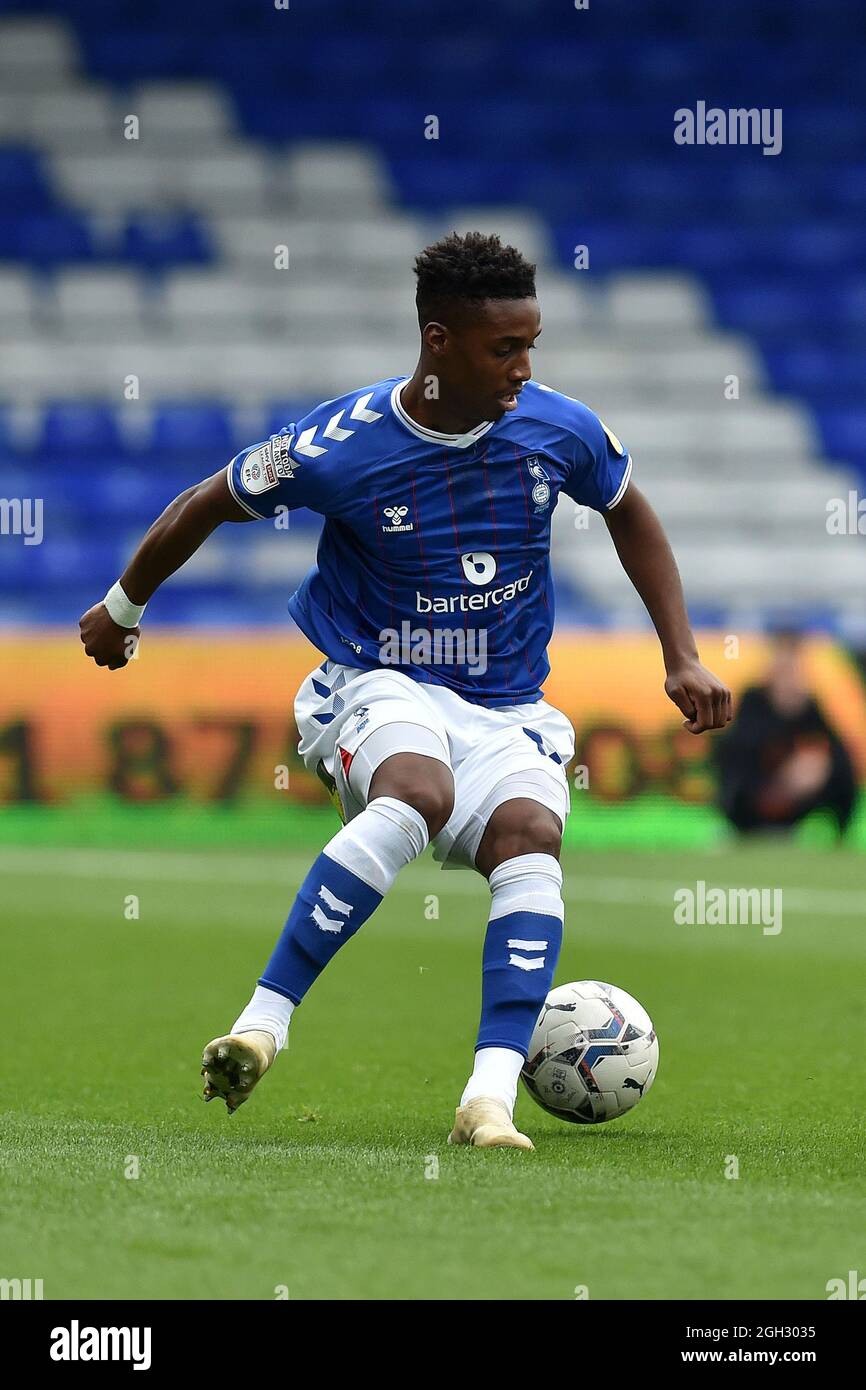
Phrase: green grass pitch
x=319 y=1186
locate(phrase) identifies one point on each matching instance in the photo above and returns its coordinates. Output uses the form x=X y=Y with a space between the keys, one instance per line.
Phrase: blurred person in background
x=781 y=759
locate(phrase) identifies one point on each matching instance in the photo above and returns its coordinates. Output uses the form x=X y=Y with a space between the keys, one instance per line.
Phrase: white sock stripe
x=324 y=922
x=333 y=902
x=533 y=963
x=515 y=943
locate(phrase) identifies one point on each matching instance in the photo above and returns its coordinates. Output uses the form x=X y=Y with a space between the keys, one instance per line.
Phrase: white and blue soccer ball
x=593 y=1055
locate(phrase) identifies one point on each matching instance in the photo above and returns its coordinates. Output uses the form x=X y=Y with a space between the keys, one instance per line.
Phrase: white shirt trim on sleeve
x=240 y=501
x=620 y=492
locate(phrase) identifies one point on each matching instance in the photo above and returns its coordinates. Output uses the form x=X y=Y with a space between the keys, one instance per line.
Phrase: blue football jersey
x=429 y=535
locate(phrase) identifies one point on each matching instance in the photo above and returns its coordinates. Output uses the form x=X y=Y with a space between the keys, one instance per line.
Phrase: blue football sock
x=331 y=905
x=521 y=949
x=343 y=888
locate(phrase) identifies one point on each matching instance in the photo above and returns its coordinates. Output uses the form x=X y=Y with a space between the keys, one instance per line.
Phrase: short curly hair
x=463 y=270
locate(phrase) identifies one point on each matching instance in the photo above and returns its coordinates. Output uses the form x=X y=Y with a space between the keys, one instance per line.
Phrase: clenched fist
x=700 y=696
x=108 y=644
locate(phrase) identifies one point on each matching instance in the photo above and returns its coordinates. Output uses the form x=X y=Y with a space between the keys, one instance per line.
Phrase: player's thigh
x=354 y=723
x=516 y=763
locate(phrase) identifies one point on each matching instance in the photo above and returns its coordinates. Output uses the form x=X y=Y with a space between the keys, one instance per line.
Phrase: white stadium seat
x=348 y=306
x=127 y=176
x=69 y=113
x=14 y=115
x=248 y=241
x=675 y=302
x=117 y=177
x=381 y=249
x=98 y=303
x=320 y=176
x=384 y=246
x=195 y=302
x=173 y=113
x=18 y=301
x=233 y=179
x=77 y=116
x=35 y=54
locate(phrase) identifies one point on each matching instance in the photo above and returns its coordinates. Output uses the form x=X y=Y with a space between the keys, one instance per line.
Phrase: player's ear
x=435 y=336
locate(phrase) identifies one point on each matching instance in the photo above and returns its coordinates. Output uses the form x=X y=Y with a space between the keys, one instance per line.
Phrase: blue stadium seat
x=51 y=238
x=22 y=182
x=844 y=432
x=761 y=307
x=78 y=428
x=826 y=372
x=138 y=54
x=613 y=245
x=193 y=429
x=157 y=242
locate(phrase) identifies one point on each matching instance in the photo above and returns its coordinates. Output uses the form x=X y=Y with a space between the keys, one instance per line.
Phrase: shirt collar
x=453 y=441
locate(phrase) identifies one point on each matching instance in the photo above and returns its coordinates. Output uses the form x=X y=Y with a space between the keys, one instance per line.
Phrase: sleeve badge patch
x=257 y=470
x=283 y=462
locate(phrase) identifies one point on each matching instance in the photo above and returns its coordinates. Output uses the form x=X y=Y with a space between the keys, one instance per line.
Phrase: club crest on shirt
x=541 y=489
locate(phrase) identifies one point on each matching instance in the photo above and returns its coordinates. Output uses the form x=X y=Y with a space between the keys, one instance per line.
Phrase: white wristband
x=120 y=609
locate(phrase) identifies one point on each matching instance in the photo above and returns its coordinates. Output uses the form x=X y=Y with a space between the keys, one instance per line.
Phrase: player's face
x=489 y=357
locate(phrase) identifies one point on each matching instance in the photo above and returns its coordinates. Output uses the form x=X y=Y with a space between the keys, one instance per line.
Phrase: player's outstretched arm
x=648 y=560
x=185 y=525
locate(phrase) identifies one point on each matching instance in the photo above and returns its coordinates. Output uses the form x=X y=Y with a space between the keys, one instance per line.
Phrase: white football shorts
x=350 y=721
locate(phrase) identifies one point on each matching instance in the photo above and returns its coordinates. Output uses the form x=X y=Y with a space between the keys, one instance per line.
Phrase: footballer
x=436 y=491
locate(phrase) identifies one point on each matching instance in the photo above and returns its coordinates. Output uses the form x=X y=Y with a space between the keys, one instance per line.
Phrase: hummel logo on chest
x=396 y=517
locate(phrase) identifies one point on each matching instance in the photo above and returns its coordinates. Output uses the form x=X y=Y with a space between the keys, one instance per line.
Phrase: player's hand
x=700 y=696
x=108 y=644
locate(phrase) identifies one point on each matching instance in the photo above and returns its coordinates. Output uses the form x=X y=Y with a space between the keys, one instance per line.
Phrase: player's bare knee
x=433 y=799
x=515 y=828
x=435 y=805
x=423 y=783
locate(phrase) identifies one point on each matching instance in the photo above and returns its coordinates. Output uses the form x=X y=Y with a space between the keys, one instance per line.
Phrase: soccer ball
x=593 y=1054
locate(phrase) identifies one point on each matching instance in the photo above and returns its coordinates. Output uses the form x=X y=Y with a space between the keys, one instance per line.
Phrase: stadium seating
x=146 y=333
